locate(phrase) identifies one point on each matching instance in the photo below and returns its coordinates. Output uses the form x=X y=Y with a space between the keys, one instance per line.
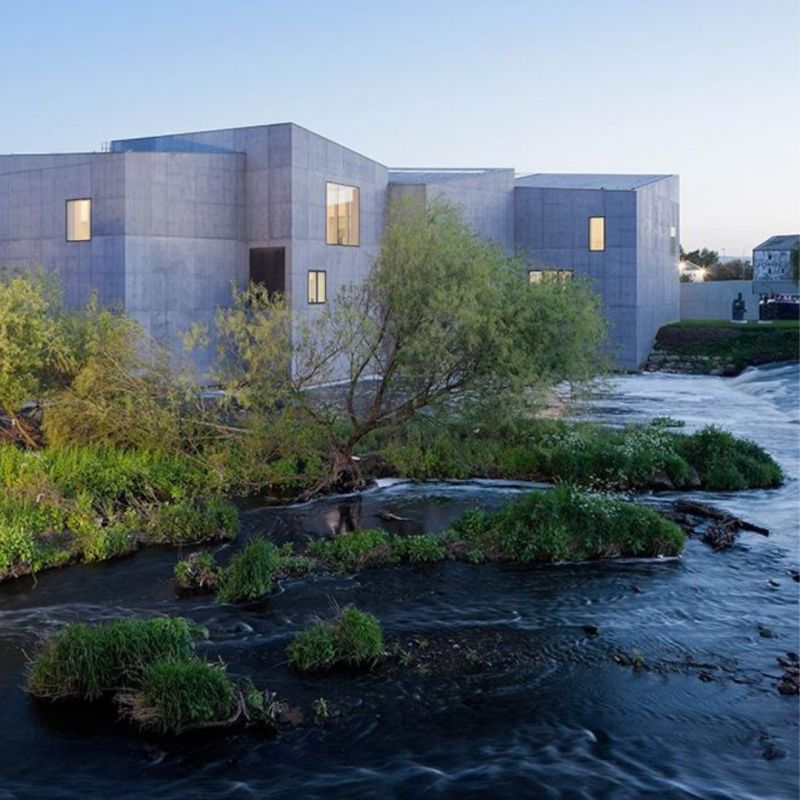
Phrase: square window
x=597 y=234
x=342 y=214
x=534 y=276
x=79 y=220
x=317 y=286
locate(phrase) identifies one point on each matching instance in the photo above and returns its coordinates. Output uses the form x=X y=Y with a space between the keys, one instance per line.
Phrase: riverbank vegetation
x=109 y=440
x=149 y=669
x=728 y=347
x=561 y=524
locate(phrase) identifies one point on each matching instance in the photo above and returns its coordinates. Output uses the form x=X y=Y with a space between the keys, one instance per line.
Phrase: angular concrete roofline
x=184 y=134
x=583 y=180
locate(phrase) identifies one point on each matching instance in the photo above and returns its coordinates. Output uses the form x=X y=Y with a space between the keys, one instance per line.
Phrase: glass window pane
x=597 y=233
x=312 y=286
x=342 y=215
x=534 y=276
x=322 y=289
x=79 y=220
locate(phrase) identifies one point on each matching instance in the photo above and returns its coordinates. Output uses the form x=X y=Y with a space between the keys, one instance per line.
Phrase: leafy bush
x=186 y=522
x=198 y=572
x=564 y=524
x=352 y=638
x=580 y=453
x=250 y=573
x=726 y=462
x=29 y=533
x=88 y=661
x=422 y=547
x=176 y=694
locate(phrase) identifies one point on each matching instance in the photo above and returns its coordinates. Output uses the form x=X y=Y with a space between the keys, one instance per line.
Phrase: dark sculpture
x=738 y=308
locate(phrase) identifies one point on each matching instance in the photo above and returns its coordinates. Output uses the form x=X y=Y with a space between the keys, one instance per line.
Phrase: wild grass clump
x=187 y=522
x=198 y=572
x=353 y=638
x=250 y=573
x=87 y=662
x=176 y=694
x=354 y=551
x=93 y=503
x=727 y=462
x=564 y=524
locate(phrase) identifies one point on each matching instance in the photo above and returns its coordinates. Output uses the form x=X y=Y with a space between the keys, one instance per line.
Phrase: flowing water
x=548 y=713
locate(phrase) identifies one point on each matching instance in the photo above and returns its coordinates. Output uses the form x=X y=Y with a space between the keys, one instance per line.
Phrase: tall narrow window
x=317 y=286
x=79 y=220
x=342 y=215
x=597 y=234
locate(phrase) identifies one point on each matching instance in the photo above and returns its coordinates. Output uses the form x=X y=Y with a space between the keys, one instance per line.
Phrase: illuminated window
x=597 y=233
x=342 y=215
x=317 y=286
x=79 y=220
x=542 y=275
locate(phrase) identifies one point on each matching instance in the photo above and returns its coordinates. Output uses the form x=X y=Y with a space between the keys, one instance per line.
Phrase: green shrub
x=176 y=694
x=88 y=661
x=187 y=522
x=197 y=572
x=31 y=533
x=423 y=547
x=564 y=524
x=116 y=539
x=726 y=462
x=352 y=638
x=351 y=552
x=250 y=573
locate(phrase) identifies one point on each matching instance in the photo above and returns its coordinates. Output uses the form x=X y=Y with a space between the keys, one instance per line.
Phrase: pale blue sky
x=704 y=88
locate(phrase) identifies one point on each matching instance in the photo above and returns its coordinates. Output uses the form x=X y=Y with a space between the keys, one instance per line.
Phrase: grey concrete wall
x=33 y=194
x=713 y=299
x=184 y=231
x=551 y=230
x=286 y=168
x=485 y=198
x=316 y=161
x=657 y=259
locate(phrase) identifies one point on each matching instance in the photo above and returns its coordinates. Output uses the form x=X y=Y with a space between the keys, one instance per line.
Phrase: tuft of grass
x=88 y=661
x=177 y=694
x=250 y=573
x=352 y=638
x=351 y=552
x=187 y=522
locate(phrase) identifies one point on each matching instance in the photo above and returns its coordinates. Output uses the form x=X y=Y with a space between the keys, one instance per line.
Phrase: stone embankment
x=665 y=361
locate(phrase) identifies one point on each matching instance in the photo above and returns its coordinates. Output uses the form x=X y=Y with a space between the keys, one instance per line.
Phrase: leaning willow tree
x=444 y=318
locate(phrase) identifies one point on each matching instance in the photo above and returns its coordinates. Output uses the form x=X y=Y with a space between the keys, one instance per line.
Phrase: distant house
x=694 y=273
x=773 y=261
x=775 y=276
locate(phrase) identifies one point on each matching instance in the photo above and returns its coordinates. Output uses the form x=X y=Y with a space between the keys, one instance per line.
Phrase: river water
x=701 y=719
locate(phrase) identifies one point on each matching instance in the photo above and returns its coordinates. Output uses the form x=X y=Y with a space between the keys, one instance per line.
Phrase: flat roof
x=435 y=175
x=567 y=180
